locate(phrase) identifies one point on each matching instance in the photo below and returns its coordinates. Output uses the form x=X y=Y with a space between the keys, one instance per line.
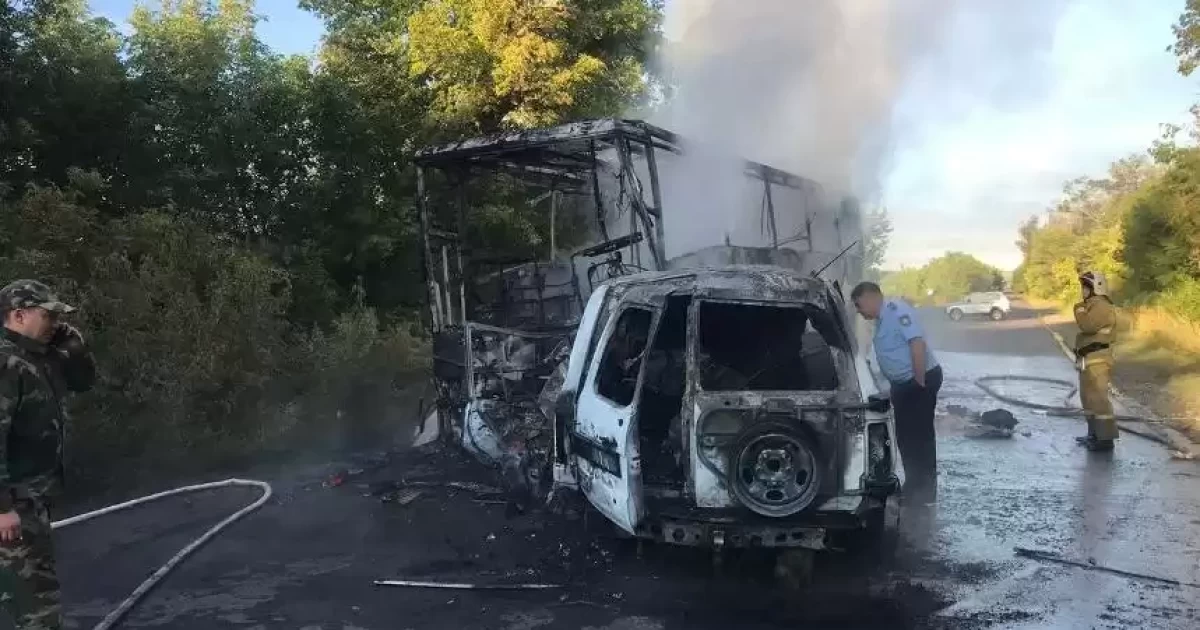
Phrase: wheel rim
x=997 y=315
x=775 y=474
x=956 y=314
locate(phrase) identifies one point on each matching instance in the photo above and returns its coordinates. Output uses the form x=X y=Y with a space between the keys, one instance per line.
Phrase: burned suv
x=715 y=397
x=724 y=407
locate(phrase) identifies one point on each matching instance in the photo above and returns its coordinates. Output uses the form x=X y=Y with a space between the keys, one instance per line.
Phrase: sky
x=1016 y=102
x=1105 y=84
x=286 y=28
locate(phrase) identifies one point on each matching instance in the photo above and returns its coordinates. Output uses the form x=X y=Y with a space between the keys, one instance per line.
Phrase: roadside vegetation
x=944 y=279
x=238 y=226
x=1140 y=225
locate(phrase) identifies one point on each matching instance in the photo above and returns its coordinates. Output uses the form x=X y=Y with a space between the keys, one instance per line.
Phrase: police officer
x=1097 y=320
x=41 y=359
x=915 y=376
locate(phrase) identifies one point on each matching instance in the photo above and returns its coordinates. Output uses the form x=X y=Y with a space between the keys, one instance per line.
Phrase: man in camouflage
x=41 y=359
x=1097 y=320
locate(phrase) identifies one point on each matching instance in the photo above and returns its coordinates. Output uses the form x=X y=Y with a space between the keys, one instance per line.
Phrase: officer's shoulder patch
x=905 y=320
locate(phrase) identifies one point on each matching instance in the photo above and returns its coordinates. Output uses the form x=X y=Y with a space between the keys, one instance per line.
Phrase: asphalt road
x=307 y=560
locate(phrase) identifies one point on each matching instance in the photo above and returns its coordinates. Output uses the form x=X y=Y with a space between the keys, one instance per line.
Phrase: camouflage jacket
x=34 y=380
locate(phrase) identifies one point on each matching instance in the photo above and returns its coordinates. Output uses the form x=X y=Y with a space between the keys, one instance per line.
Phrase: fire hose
x=140 y=592
x=984 y=383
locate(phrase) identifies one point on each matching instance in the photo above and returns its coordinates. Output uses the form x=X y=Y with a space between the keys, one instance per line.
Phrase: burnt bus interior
x=591 y=191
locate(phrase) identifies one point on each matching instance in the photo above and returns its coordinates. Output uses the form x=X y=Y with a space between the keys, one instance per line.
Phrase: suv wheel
x=997 y=314
x=955 y=314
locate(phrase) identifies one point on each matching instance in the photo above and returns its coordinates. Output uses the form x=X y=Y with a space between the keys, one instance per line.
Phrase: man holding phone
x=41 y=359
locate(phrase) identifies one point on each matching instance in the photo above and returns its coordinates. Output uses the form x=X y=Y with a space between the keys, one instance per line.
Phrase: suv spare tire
x=775 y=469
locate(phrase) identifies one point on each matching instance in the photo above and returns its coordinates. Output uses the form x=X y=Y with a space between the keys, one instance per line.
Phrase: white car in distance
x=993 y=304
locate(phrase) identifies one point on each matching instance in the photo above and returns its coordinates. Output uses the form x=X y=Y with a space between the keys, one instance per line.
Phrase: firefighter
x=1097 y=320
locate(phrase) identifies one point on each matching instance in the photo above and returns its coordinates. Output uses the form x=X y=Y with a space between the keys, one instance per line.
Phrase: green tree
x=955 y=274
x=1162 y=232
x=224 y=121
x=1187 y=38
x=1025 y=234
x=877 y=234
x=1139 y=224
x=238 y=226
x=489 y=64
x=907 y=283
x=1049 y=248
x=513 y=63
x=64 y=98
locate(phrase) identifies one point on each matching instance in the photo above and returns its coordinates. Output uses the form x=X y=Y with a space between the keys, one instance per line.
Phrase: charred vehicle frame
x=718 y=398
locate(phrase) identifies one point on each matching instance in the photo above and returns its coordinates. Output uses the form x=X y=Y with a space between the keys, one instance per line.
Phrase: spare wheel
x=775 y=470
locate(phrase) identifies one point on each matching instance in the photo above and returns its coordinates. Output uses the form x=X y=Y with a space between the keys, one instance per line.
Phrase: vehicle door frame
x=606 y=458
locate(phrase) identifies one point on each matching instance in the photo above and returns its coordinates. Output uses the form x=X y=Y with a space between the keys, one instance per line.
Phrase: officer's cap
x=31 y=294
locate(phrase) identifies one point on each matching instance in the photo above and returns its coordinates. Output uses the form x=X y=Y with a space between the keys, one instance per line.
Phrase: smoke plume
x=811 y=86
x=806 y=85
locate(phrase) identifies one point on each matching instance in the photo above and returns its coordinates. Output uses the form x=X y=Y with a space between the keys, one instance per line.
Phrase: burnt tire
x=956 y=314
x=775 y=469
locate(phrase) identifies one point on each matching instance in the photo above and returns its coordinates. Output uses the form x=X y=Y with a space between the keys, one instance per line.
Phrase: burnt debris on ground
x=995 y=423
x=462 y=510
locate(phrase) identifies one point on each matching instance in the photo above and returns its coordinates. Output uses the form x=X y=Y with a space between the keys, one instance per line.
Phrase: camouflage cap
x=31 y=294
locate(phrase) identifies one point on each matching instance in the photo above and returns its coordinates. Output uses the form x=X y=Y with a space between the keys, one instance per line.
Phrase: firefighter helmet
x=1095 y=281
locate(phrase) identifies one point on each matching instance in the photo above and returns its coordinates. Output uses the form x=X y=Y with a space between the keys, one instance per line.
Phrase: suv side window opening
x=750 y=347
x=617 y=376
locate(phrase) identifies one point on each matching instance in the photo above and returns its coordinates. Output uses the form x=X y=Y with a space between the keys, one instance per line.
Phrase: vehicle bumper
x=737 y=528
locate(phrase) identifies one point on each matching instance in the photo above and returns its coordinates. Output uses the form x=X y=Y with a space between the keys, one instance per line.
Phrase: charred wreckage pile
x=716 y=397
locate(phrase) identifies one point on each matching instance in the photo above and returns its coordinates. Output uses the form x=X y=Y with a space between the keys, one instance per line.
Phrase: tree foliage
x=877 y=234
x=516 y=63
x=945 y=278
x=492 y=64
x=238 y=225
x=1187 y=38
x=1140 y=224
x=1142 y=235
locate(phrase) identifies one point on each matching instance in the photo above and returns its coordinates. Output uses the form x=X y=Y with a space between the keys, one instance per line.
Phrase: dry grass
x=1166 y=350
x=1184 y=336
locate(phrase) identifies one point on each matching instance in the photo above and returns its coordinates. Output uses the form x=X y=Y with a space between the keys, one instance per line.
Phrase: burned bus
x=663 y=346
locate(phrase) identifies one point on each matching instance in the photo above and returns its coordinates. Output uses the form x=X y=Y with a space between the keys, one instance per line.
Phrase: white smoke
x=808 y=86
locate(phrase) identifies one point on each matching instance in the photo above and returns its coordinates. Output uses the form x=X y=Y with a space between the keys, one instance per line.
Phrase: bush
x=1141 y=234
x=198 y=359
x=1183 y=299
x=907 y=283
x=949 y=277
